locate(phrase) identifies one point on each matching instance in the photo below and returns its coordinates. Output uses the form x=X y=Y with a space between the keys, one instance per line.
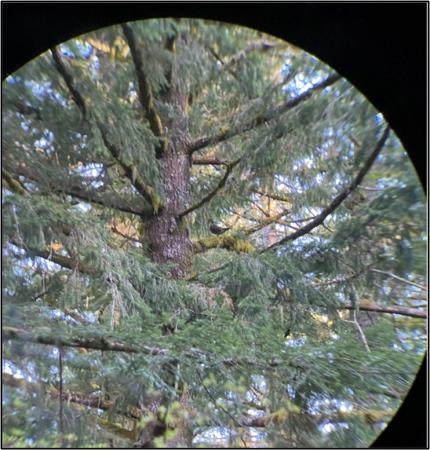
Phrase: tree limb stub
x=228 y=133
x=209 y=161
x=319 y=219
x=276 y=197
x=26 y=109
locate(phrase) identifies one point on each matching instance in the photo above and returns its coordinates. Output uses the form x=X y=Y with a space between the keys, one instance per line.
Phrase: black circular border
x=381 y=48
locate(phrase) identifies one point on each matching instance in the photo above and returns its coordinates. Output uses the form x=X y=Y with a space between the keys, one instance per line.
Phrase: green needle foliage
x=126 y=322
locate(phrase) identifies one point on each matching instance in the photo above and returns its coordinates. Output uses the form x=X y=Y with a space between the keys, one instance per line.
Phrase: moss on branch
x=227 y=242
x=11 y=183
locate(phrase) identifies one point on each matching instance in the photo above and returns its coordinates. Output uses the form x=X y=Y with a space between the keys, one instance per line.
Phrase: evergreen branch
x=93 y=343
x=96 y=401
x=111 y=200
x=170 y=45
x=81 y=399
x=147 y=192
x=401 y=310
x=211 y=194
x=19 y=383
x=106 y=199
x=108 y=343
x=344 y=279
x=234 y=60
x=230 y=132
x=67 y=312
x=63 y=261
x=256 y=205
x=73 y=264
x=92 y=401
x=144 y=89
x=337 y=416
x=337 y=201
x=387 y=393
x=68 y=79
x=216 y=404
x=403 y=280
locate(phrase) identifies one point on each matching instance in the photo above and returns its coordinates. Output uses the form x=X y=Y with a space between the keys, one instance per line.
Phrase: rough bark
x=168 y=240
x=166 y=235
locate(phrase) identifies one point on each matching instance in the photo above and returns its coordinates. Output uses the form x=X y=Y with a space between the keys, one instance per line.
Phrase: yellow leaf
x=99 y=45
x=56 y=246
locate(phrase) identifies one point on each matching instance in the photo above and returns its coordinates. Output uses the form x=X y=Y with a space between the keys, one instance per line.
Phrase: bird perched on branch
x=216 y=229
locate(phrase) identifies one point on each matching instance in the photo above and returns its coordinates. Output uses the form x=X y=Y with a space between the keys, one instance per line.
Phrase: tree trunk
x=168 y=239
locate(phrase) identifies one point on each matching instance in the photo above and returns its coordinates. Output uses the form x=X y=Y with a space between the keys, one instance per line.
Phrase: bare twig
x=403 y=280
x=266 y=222
x=215 y=403
x=343 y=279
x=211 y=194
x=360 y=330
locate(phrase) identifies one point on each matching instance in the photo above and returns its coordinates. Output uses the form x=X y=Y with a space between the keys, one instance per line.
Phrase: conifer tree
x=209 y=238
